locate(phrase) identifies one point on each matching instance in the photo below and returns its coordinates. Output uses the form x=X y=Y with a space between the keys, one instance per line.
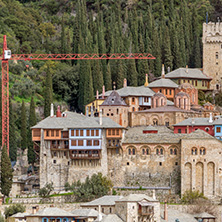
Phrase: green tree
x=108 y=80
x=120 y=75
x=6 y=173
x=167 y=54
x=32 y=122
x=94 y=187
x=12 y=132
x=13 y=209
x=46 y=190
x=48 y=94
x=23 y=127
x=132 y=73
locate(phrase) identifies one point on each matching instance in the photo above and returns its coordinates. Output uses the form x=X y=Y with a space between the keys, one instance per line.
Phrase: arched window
x=143 y=151
x=147 y=152
x=171 y=151
x=194 y=151
x=156 y=102
x=129 y=151
x=161 y=151
x=202 y=151
x=161 y=102
x=134 y=151
x=175 y=151
x=157 y=151
x=184 y=103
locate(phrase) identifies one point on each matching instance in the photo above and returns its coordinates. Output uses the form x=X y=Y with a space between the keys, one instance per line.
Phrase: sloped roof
x=175 y=214
x=135 y=135
x=103 y=201
x=218 y=122
x=204 y=215
x=198 y=134
x=136 y=198
x=20 y=215
x=75 y=120
x=163 y=83
x=114 y=99
x=132 y=91
x=85 y=213
x=196 y=122
x=187 y=73
x=150 y=128
x=52 y=212
x=111 y=218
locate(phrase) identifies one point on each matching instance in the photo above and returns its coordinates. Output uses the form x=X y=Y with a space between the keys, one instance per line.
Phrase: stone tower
x=212 y=53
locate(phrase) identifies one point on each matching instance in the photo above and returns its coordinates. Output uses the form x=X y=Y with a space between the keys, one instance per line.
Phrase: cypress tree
x=12 y=141
x=32 y=122
x=108 y=80
x=142 y=64
x=120 y=75
x=167 y=55
x=6 y=173
x=63 y=38
x=132 y=73
x=23 y=127
x=156 y=53
x=48 y=94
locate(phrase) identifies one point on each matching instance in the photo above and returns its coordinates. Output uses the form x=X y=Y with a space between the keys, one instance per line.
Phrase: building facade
x=212 y=53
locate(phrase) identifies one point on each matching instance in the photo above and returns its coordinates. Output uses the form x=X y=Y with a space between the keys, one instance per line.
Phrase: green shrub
x=46 y=190
x=13 y=209
x=189 y=197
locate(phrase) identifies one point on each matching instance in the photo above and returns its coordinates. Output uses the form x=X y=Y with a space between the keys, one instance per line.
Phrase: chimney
x=211 y=118
x=87 y=111
x=58 y=112
x=192 y=122
x=146 y=82
x=35 y=209
x=163 y=72
x=100 y=217
x=187 y=69
x=103 y=94
x=165 y=211
x=100 y=118
x=168 y=69
x=52 y=110
x=91 y=113
x=154 y=194
x=97 y=94
x=124 y=83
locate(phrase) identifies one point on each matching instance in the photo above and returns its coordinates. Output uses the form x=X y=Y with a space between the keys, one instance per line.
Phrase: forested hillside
x=169 y=29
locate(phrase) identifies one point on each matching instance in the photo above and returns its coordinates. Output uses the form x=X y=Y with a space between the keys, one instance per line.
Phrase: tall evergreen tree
x=23 y=127
x=142 y=65
x=32 y=122
x=167 y=54
x=48 y=93
x=6 y=173
x=108 y=80
x=63 y=38
x=120 y=75
x=132 y=73
x=12 y=141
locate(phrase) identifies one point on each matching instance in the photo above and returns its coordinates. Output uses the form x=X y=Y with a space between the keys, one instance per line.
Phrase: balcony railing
x=60 y=146
x=113 y=143
x=79 y=156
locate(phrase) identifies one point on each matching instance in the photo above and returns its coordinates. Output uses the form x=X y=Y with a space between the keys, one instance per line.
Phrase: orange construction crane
x=5 y=74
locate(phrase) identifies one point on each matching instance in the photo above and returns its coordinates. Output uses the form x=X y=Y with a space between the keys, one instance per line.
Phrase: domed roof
x=186 y=86
x=159 y=94
x=182 y=94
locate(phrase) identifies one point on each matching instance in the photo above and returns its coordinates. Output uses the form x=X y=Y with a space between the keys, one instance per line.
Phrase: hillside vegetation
x=168 y=29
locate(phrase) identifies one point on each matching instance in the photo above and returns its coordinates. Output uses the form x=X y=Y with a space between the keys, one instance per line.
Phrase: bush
x=46 y=190
x=94 y=187
x=189 y=197
x=13 y=209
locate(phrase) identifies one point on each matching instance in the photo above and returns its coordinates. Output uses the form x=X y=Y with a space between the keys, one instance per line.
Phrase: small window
x=196 y=83
x=80 y=142
x=102 y=210
x=134 y=152
x=216 y=55
x=73 y=142
x=117 y=132
x=47 y=132
x=113 y=132
x=160 y=163
x=217 y=86
x=87 y=132
x=127 y=163
x=129 y=151
x=57 y=133
x=166 y=91
x=96 y=142
x=107 y=114
x=160 y=90
x=218 y=129
x=185 y=130
x=77 y=132
x=97 y=132
x=81 y=132
x=72 y=132
x=179 y=130
x=170 y=92
x=133 y=100
x=117 y=111
x=92 y=132
x=176 y=163
x=133 y=109
x=110 y=210
x=89 y=142
x=52 y=133
x=109 y=132
x=54 y=161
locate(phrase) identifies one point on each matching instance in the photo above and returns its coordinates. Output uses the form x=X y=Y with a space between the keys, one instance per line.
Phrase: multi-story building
x=212 y=53
x=69 y=144
x=195 y=77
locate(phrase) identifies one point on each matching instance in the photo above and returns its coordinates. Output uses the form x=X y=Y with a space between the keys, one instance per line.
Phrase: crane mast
x=6 y=56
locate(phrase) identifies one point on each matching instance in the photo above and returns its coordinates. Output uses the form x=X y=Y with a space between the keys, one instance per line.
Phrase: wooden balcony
x=113 y=143
x=146 y=210
x=59 y=145
x=85 y=154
